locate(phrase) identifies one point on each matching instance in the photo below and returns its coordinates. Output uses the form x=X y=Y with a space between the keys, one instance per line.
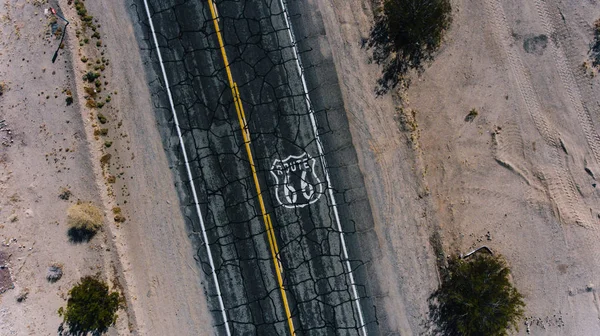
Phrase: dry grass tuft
x=85 y=216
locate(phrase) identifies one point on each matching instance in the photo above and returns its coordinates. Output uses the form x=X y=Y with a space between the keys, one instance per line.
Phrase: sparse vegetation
x=476 y=297
x=91 y=307
x=406 y=35
x=65 y=194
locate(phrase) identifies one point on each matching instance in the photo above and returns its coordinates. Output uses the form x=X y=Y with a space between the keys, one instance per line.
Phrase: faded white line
x=321 y=153
x=189 y=172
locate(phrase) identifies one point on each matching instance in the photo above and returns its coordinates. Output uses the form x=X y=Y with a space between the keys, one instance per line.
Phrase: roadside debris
x=55 y=28
x=5 y=134
x=6 y=281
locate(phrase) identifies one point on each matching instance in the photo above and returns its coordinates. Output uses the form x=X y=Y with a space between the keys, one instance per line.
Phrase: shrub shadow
x=407 y=39
x=396 y=63
x=595 y=46
x=74 y=331
x=78 y=236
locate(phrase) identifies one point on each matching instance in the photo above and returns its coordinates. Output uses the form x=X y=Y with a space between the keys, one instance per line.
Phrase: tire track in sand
x=561 y=187
x=567 y=76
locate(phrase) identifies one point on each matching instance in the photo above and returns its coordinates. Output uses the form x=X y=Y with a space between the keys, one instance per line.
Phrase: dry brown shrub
x=84 y=216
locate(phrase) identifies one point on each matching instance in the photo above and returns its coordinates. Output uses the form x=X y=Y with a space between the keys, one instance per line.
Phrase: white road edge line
x=189 y=172
x=321 y=153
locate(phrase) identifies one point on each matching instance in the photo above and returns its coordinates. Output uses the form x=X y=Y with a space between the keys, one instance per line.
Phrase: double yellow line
x=246 y=135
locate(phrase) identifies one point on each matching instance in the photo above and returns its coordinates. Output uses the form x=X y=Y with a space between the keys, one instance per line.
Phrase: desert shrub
x=69 y=100
x=105 y=159
x=102 y=118
x=55 y=272
x=84 y=216
x=406 y=35
x=476 y=298
x=91 y=92
x=91 y=307
x=471 y=115
x=91 y=76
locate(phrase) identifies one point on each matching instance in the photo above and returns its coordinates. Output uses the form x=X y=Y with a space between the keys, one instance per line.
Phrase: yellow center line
x=246 y=136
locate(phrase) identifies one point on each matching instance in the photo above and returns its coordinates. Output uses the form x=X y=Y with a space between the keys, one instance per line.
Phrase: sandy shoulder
x=149 y=256
x=520 y=178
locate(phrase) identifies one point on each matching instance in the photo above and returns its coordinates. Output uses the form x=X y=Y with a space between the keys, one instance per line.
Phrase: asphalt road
x=265 y=184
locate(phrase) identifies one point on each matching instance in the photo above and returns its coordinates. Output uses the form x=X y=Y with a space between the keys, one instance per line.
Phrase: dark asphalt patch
x=263 y=65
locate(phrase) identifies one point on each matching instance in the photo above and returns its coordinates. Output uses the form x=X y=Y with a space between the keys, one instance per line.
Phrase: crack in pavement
x=288 y=163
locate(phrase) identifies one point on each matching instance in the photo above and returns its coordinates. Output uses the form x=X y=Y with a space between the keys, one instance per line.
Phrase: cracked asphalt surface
x=290 y=167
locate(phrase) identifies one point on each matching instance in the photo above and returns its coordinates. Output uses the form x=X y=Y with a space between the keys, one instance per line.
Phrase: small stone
x=13 y=218
x=28 y=213
x=589 y=287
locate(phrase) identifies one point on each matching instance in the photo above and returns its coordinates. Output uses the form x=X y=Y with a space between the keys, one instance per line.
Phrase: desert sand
x=519 y=178
x=148 y=257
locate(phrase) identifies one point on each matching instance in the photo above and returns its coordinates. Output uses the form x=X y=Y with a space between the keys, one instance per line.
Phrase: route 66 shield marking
x=296 y=181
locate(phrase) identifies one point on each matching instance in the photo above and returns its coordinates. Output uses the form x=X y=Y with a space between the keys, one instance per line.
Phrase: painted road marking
x=246 y=136
x=320 y=147
x=296 y=182
x=189 y=172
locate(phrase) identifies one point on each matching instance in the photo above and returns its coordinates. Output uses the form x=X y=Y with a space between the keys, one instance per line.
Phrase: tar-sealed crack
x=289 y=166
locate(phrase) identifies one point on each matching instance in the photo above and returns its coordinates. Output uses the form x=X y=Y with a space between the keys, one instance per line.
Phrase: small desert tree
x=476 y=298
x=91 y=307
x=407 y=34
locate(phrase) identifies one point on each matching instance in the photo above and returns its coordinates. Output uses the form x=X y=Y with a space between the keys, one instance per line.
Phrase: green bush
x=406 y=35
x=91 y=307
x=476 y=298
x=91 y=76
